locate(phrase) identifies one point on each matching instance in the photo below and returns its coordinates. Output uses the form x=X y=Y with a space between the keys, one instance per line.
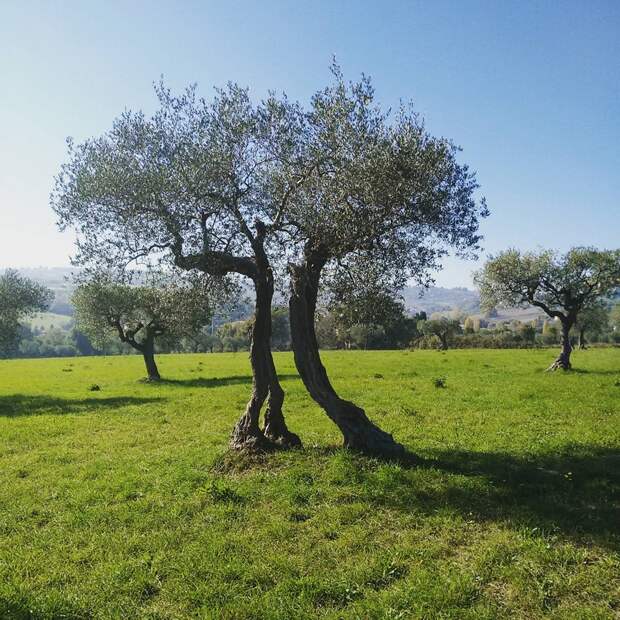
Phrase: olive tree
x=192 y=184
x=382 y=191
x=443 y=328
x=562 y=286
x=366 y=308
x=227 y=186
x=20 y=298
x=142 y=314
x=591 y=319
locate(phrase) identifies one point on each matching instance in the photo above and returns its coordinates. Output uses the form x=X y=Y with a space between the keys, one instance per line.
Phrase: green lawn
x=124 y=503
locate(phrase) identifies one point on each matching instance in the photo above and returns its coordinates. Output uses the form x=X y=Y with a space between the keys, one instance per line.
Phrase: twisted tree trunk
x=148 y=352
x=247 y=433
x=146 y=347
x=563 y=360
x=275 y=425
x=357 y=430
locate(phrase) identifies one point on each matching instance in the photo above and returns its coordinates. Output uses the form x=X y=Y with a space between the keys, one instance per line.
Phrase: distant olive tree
x=443 y=328
x=563 y=286
x=366 y=309
x=594 y=318
x=20 y=298
x=141 y=315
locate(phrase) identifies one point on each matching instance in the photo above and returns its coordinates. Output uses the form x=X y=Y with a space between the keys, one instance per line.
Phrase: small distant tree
x=443 y=329
x=140 y=315
x=592 y=319
x=82 y=344
x=20 y=298
x=549 y=333
x=527 y=332
x=372 y=318
x=562 y=286
x=471 y=325
x=280 y=330
x=235 y=336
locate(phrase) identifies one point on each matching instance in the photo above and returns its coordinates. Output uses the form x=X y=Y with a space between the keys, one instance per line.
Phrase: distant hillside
x=439 y=299
x=416 y=298
x=58 y=279
x=46 y=320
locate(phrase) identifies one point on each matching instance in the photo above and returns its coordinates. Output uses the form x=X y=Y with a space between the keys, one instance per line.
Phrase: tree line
x=334 y=329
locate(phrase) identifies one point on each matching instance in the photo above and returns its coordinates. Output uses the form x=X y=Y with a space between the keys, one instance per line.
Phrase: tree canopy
x=20 y=297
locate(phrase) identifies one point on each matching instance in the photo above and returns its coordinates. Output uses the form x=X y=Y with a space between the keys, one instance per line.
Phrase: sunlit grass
x=123 y=502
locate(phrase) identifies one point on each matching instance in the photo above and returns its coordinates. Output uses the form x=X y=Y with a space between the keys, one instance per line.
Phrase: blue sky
x=530 y=90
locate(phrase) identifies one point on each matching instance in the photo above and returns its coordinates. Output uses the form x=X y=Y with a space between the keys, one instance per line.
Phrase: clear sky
x=530 y=90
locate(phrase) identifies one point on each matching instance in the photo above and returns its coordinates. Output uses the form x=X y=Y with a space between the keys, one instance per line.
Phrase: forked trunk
x=247 y=433
x=563 y=360
x=358 y=431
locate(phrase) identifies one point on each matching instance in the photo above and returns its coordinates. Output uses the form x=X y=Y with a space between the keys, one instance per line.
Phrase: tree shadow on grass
x=211 y=382
x=27 y=607
x=575 y=494
x=16 y=405
x=585 y=371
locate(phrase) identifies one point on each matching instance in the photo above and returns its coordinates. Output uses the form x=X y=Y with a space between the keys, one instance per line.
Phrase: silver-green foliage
x=168 y=309
x=561 y=285
x=20 y=298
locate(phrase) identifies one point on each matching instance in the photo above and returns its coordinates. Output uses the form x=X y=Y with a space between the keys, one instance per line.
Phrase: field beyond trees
x=124 y=503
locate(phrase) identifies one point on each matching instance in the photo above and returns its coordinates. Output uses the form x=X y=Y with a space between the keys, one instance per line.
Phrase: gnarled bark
x=358 y=431
x=275 y=426
x=563 y=360
x=148 y=352
x=247 y=433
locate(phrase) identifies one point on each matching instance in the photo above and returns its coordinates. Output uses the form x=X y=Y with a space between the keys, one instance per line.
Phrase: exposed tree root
x=560 y=363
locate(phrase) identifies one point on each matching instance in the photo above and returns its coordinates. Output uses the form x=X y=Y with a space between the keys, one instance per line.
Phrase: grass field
x=123 y=503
